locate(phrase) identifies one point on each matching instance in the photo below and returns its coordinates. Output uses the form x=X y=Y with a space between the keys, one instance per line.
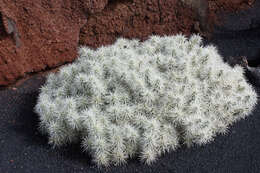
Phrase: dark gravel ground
x=23 y=149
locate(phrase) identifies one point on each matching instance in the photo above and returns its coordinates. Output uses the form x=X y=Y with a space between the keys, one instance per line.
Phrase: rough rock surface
x=137 y=19
x=39 y=35
x=229 y=5
x=35 y=35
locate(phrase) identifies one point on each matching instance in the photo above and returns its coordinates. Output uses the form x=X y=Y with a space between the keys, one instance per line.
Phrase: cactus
x=139 y=99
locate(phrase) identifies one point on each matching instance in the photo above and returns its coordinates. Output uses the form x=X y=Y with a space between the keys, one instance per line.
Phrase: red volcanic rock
x=42 y=34
x=141 y=18
x=229 y=5
x=137 y=19
x=36 y=35
x=93 y=6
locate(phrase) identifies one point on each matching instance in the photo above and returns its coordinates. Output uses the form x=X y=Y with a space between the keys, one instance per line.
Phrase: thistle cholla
x=140 y=99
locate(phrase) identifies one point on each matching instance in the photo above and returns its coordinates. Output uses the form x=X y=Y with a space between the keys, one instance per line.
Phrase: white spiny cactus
x=141 y=98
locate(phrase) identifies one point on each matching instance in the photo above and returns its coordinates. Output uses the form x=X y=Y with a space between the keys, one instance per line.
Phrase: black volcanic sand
x=23 y=149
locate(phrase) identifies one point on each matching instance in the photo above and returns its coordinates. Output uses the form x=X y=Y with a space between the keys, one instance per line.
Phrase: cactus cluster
x=142 y=99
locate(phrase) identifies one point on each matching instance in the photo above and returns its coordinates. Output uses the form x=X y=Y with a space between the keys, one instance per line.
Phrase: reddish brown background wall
x=40 y=35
